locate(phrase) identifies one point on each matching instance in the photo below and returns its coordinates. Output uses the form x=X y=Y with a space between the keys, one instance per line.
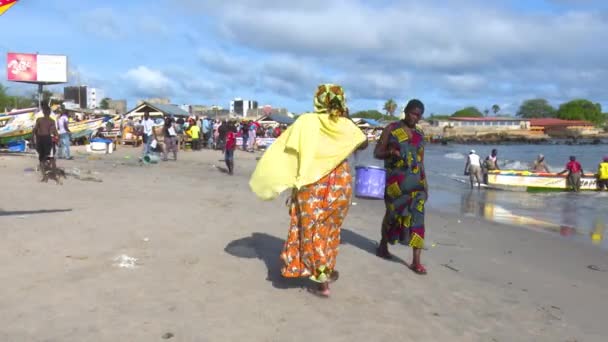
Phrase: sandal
x=418 y=269
x=383 y=254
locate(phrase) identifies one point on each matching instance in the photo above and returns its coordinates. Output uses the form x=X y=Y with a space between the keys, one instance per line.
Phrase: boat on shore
x=17 y=125
x=536 y=181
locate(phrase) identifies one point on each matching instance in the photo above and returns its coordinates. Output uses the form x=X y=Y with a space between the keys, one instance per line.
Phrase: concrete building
x=240 y=107
x=77 y=95
x=563 y=128
x=94 y=97
x=156 y=100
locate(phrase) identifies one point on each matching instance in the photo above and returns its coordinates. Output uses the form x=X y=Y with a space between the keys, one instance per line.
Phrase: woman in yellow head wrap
x=310 y=158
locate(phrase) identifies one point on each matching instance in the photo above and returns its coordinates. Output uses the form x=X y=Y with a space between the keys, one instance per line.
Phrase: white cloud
x=149 y=82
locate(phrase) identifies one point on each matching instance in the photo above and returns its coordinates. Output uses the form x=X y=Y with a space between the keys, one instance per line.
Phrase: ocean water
x=580 y=217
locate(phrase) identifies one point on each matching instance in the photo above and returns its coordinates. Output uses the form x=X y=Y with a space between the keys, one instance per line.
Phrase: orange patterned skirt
x=317 y=212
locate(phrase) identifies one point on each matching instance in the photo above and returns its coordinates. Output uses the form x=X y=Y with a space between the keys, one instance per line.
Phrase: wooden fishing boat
x=84 y=129
x=536 y=181
x=17 y=125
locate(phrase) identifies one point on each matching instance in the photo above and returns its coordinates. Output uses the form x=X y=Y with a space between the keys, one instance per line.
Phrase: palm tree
x=390 y=106
x=495 y=109
x=486 y=112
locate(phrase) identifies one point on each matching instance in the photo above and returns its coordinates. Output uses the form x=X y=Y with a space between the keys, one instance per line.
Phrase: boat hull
x=536 y=182
x=14 y=127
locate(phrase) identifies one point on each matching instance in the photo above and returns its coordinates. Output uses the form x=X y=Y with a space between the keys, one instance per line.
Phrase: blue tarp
x=372 y=122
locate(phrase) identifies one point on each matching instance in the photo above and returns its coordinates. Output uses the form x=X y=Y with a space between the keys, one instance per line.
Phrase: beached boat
x=84 y=129
x=17 y=125
x=536 y=181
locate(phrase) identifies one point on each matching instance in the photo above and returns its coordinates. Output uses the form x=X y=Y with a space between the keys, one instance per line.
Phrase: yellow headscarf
x=310 y=148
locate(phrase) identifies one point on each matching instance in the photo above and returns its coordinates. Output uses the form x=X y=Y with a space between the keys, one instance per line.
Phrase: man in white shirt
x=148 y=135
x=64 y=137
x=473 y=168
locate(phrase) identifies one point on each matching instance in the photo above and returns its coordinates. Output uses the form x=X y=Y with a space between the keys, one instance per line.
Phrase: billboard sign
x=33 y=68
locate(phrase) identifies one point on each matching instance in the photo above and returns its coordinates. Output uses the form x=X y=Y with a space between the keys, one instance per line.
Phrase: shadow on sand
x=32 y=212
x=268 y=248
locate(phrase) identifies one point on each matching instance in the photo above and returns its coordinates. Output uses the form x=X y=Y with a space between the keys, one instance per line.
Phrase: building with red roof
x=554 y=126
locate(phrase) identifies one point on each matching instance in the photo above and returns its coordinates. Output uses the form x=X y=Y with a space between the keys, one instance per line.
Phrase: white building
x=94 y=97
x=241 y=107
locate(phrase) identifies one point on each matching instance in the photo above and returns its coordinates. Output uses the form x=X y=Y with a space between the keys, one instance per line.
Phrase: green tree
x=390 y=106
x=536 y=108
x=581 y=109
x=495 y=109
x=105 y=103
x=486 y=112
x=9 y=102
x=4 y=98
x=372 y=114
x=468 y=112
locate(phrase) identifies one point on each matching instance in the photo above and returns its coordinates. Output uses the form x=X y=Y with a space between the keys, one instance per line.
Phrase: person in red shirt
x=230 y=146
x=575 y=171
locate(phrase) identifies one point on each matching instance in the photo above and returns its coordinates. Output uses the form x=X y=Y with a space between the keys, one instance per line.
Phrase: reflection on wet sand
x=483 y=204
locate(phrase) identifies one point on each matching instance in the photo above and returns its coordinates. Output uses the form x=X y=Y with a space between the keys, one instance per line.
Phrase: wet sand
x=207 y=266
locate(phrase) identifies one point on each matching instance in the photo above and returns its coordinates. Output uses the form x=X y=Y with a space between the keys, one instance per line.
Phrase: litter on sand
x=125 y=261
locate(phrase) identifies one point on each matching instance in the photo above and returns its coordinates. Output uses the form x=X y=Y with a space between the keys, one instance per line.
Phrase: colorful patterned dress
x=405 y=193
x=317 y=213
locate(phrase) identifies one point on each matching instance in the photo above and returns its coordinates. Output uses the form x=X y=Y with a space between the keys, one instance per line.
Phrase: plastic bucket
x=370 y=182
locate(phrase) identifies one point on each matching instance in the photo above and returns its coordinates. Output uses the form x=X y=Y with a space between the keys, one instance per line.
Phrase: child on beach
x=230 y=146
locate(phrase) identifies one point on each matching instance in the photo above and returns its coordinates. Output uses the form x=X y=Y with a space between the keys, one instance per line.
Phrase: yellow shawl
x=307 y=151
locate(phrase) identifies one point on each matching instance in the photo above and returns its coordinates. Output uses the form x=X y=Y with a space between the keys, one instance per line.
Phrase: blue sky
x=449 y=53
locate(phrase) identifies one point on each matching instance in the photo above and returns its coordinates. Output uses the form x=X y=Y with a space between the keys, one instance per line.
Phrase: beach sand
x=207 y=265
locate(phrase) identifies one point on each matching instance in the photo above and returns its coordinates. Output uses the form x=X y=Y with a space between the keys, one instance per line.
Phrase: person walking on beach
x=311 y=159
x=575 y=171
x=64 y=137
x=245 y=134
x=230 y=147
x=401 y=146
x=170 y=139
x=539 y=165
x=43 y=133
x=252 y=136
x=148 y=134
x=602 y=174
x=473 y=168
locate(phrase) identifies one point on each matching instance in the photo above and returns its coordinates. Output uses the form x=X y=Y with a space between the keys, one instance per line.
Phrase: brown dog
x=52 y=172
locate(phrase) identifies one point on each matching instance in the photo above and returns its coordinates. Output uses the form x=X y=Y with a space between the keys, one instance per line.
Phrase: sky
x=447 y=53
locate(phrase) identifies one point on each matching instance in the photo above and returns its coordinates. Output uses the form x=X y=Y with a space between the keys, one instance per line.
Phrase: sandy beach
x=207 y=265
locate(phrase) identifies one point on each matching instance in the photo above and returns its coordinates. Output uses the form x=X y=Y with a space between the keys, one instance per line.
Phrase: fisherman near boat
x=536 y=181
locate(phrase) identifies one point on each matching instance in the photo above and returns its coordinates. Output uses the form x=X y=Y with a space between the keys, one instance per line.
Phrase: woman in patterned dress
x=401 y=146
x=317 y=210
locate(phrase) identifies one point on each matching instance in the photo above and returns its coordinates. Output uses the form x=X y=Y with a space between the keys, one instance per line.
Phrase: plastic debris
x=146 y=239
x=125 y=261
x=450 y=267
x=29 y=169
x=354 y=203
x=168 y=335
x=595 y=268
x=459 y=221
